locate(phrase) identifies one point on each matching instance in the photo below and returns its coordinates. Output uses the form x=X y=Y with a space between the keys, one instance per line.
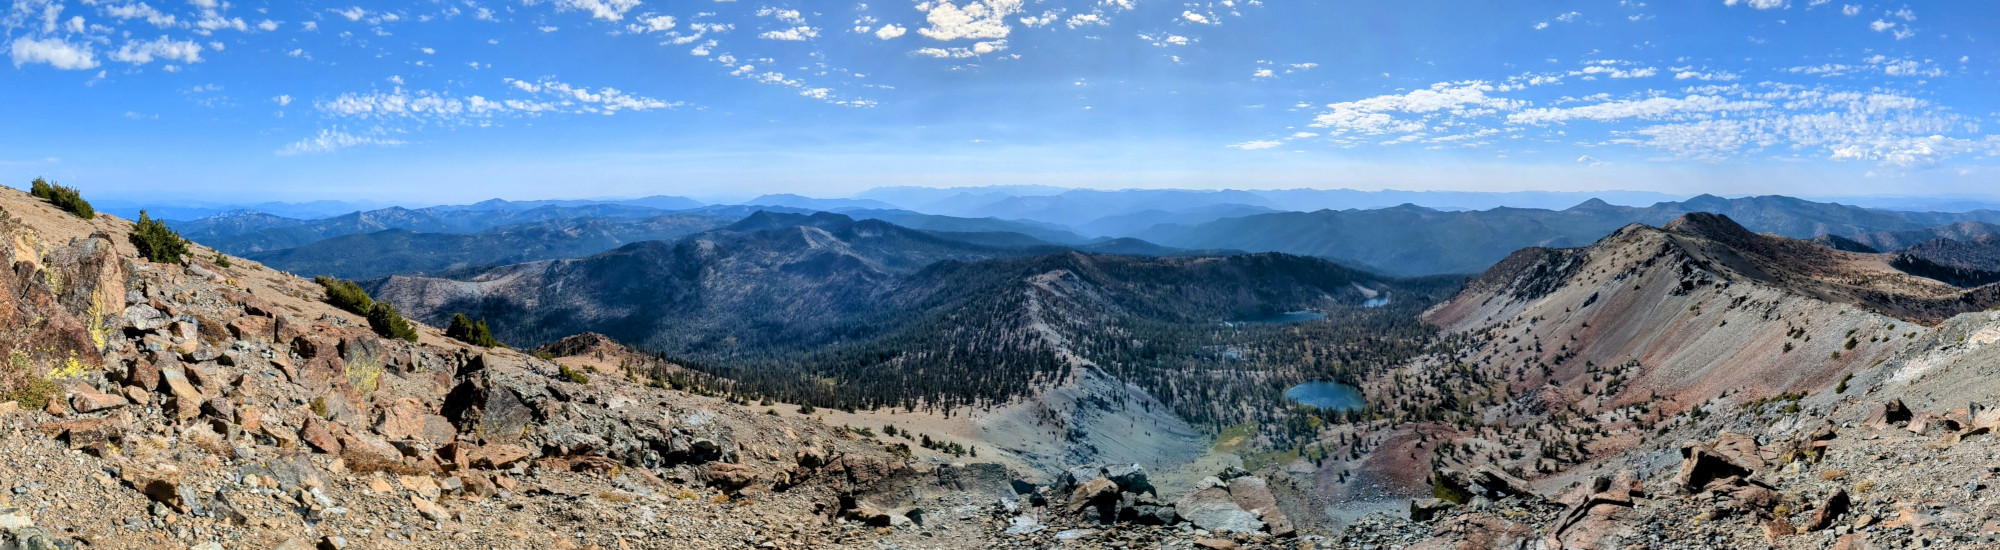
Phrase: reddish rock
x=731 y=477
x=252 y=328
x=317 y=434
x=1252 y=493
x=186 y=399
x=143 y=374
x=1775 y=529
x=87 y=400
x=1090 y=493
x=497 y=456
x=408 y=419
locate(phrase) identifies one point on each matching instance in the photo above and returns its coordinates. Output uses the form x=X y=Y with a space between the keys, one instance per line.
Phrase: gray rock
x=1213 y=510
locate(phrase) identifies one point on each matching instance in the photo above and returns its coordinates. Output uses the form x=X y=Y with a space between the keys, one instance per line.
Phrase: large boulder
x=489 y=410
x=407 y=419
x=1252 y=493
x=1214 y=510
x=1701 y=464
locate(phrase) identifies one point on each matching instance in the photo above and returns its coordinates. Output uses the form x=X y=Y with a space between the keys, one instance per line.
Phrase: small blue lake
x=1327 y=396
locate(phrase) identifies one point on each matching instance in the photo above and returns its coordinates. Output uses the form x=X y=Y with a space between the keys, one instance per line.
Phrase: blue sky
x=438 y=101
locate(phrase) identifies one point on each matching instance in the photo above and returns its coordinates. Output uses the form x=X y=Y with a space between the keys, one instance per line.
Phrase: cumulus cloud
x=1652 y=108
x=141 y=10
x=1196 y=18
x=608 y=10
x=890 y=31
x=1376 y=115
x=794 y=34
x=653 y=23
x=54 y=52
x=333 y=140
x=977 y=49
x=977 y=20
x=1759 y=4
x=138 y=52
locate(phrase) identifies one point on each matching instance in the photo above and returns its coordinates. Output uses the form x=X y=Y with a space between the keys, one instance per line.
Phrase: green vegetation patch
x=66 y=198
x=157 y=242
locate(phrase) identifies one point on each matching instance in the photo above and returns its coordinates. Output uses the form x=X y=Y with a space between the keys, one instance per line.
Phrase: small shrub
x=464 y=329
x=157 y=242
x=572 y=375
x=346 y=295
x=390 y=324
x=1842 y=386
x=221 y=260
x=807 y=409
x=66 y=198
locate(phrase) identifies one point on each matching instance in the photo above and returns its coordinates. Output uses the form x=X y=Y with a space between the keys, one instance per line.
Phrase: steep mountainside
x=1668 y=318
x=1965 y=263
x=1412 y=240
x=400 y=251
x=1890 y=241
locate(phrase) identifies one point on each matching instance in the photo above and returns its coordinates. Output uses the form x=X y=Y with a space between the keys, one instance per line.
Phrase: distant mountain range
x=1403 y=240
x=1413 y=240
x=826 y=305
x=807 y=274
x=401 y=251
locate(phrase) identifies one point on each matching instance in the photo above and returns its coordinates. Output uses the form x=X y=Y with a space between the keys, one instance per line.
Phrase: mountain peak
x=763 y=220
x=1709 y=226
x=1593 y=204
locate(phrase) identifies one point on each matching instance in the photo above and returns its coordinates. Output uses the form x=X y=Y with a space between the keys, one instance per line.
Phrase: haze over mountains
x=1402 y=240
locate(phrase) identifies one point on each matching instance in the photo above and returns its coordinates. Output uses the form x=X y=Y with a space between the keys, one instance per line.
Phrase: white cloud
x=354 y=13
x=977 y=49
x=332 y=140
x=1652 y=108
x=53 y=51
x=1193 y=17
x=1570 y=17
x=608 y=10
x=283 y=100
x=1686 y=73
x=783 y=16
x=1758 y=4
x=1263 y=73
x=653 y=23
x=141 y=52
x=1880 y=25
x=977 y=20
x=1850 y=10
x=141 y=10
x=1373 y=115
x=794 y=34
x=1541 y=25
x=1085 y=19
x=1042 y=20
x=890 y=31
x=1255 y=145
